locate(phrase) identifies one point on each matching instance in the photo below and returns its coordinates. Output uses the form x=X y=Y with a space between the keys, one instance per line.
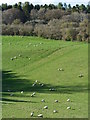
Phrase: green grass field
x=40 y=59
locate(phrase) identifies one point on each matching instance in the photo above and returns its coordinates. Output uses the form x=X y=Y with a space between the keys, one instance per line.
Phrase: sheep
x=68 y=100
x=54 y=111
x=42 y=85
x=11 y=58
x=68 y=107
x=36 y=81
x=34 y=93
x=33 y=84
x=60 y=69
x=52 y=89
x=81 y=75
x=56 y=101
x=29 y=58
x=15 y=57
x=40 y=115
x=21 y=91
x=32 y=114
x=19 y=55
x=45 y=107
x=41 y=43
x=42 y=100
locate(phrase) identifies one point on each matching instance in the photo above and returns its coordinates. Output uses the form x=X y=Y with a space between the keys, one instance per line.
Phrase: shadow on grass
x=13 y=100
x=12 y=82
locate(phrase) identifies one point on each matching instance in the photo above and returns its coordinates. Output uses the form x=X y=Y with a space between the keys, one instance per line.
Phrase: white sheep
x=40 y=115
x=60 y=69
x=33 y=84
x=21 y=91
x=68 y=107
x=32 y=114
x=19 y=55
x=42 y=85
x=36 y=81
x=34 y=93
x=45 y=107
x=15 y=57
x=55 y=111
x=56 y=101
x=42 y=100
x=11 y=58
x=81 y=75
x=68 y=100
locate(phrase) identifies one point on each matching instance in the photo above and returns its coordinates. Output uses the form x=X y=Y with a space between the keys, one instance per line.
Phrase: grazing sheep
x=60 y=69
x=81 y=75
x=53 y=89
x=11 y=58
x=21 y=91
x=54 y=111
x=34 y=93
x=36 y=81
x=40 y=115
x=42 y=85
x=29 y=58
x=68 y=107
x=32 y=114
x=68 y=100
x=19 y=55
x=50 y=89
x=56 y=101
x=45 y=107
x=42 y=100
x=15 y=57
x=33 y=84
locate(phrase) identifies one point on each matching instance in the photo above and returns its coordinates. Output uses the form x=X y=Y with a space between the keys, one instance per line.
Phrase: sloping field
x=54 y=70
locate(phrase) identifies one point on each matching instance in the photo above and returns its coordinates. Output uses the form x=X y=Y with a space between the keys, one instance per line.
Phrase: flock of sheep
x=43 y=100
x=41 y=84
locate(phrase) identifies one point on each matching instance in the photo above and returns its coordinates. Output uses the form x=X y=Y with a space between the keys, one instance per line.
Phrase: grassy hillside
x=27 y=59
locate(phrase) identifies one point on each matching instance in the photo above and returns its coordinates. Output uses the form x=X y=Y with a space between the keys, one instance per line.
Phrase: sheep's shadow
x=14 y=83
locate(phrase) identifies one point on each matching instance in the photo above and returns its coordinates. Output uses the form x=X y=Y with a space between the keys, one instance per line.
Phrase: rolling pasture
x=45 y=77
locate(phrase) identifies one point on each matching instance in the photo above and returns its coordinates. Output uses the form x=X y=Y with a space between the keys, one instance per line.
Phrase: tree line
x=49 y=21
